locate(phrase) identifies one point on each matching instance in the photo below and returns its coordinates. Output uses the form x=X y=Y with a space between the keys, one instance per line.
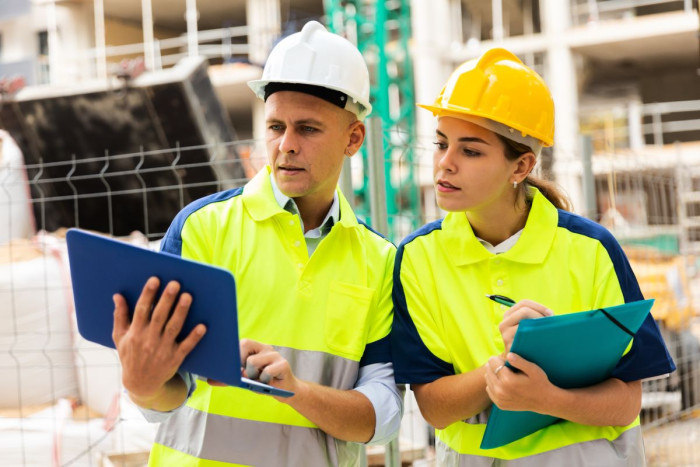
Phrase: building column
x=561 y=79
x=149 y=54
x=100 y=40
x=53 y=43
x=191 y=16
x=264 y=26
x=431 y=68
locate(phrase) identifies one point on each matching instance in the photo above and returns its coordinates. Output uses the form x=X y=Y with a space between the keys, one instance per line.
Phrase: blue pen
x=501 y=299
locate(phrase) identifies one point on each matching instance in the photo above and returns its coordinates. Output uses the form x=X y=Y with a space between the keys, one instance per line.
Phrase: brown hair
x=548 y=188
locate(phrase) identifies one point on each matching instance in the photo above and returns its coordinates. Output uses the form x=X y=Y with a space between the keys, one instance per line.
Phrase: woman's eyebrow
x=464 y=139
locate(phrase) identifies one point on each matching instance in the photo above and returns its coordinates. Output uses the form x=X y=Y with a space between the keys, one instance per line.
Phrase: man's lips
x=289 y=169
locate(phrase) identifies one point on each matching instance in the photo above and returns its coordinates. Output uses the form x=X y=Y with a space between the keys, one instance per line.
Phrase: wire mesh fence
x=61 y=402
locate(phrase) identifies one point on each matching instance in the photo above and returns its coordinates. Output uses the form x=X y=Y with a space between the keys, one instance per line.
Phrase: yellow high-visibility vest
x=327 y=314
x=445 y=325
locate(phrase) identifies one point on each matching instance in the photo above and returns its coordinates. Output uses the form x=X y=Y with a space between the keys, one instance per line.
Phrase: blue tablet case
x=101 y=266
x=588 y=344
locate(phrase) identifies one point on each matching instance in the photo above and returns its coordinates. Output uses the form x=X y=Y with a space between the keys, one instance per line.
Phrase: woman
x=509 y=233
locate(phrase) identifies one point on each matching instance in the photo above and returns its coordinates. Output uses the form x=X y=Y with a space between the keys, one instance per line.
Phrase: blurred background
x=114 y=114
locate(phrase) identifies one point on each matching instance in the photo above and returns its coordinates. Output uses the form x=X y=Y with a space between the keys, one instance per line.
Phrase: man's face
x=306 y=139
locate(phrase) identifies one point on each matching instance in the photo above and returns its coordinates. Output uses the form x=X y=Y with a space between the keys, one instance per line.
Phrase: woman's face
x=470 y=170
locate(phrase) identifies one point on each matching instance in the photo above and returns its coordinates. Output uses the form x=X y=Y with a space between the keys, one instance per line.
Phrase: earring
x=515 y=184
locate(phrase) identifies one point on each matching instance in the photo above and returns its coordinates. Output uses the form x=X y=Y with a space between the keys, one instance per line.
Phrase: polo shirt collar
x=289 y=205
x=532 y=246
x=261 y=202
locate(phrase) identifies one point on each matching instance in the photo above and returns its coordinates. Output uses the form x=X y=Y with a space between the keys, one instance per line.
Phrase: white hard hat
x=316 y=57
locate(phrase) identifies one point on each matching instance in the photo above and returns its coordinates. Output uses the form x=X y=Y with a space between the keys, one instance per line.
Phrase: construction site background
x=115 y=114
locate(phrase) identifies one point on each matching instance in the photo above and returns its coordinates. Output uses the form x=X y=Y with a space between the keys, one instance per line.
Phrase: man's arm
x=376 y=381
x=347 y=415
x=157 y=416
x=147 y=347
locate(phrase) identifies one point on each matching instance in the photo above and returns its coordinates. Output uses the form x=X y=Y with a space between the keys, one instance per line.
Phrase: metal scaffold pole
x=381 y=31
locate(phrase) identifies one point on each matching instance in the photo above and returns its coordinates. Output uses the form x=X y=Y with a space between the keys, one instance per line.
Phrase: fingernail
x=185 y=299
x=251 y=370
x=511 y=356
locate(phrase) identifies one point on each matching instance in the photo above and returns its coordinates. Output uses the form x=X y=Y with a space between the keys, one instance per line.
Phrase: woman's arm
x=610 y=403
x=452 y=398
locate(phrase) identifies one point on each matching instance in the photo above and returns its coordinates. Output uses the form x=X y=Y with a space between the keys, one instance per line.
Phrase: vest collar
x=532 y=247
x=259 y=200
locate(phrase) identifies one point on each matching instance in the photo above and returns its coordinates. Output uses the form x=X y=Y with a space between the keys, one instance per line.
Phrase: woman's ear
x=524 y=165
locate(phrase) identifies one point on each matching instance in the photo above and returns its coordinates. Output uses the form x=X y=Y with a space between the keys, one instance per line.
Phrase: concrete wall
x=670 y=85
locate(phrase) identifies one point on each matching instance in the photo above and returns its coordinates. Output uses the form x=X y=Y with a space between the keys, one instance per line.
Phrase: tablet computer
x=101 y=266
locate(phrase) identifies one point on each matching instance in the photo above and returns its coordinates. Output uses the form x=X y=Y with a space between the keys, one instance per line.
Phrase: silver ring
x=495 y=372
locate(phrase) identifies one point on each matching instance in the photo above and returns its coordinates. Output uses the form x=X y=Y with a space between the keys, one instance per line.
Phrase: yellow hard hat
x=499 y=87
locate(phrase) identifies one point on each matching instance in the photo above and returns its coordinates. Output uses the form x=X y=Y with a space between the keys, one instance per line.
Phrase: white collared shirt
x=313 y=237
x=504 y=246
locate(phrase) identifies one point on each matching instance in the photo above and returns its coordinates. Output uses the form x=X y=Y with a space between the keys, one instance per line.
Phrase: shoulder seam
x=375 y=232
x=587 y=228
x=423 y=231
x=203 y=202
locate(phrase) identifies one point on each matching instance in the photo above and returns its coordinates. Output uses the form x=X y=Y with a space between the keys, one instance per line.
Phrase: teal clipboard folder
x=575 y=350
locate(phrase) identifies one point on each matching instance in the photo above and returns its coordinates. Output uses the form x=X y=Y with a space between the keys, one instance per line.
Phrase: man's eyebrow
x=464 y=139
x=305 y=121
x=309 y=121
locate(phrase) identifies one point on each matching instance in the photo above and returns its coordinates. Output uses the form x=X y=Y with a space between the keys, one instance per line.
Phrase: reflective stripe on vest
x=247 y=442
x=627 y=450
x=218 y=421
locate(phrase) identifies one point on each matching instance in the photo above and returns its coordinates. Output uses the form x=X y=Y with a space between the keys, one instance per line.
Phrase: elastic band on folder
x=616 y=322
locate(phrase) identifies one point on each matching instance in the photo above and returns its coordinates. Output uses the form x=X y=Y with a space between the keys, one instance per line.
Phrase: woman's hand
x=610 y=403
x=527 y=388
x=524 y=309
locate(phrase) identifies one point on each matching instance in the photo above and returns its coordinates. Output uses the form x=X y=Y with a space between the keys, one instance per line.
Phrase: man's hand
x=147 y=347
x=343 y=414
x=264 y=363
x=524 y=309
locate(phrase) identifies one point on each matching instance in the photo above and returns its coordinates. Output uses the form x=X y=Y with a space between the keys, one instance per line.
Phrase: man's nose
x=289 y=144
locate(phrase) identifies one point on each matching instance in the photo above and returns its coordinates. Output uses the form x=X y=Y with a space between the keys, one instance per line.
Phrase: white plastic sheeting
x=16 y=218
x=36 y=357
x=56 y=436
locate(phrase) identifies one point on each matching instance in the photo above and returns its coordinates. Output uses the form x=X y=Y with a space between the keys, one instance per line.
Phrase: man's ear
x=357 y=137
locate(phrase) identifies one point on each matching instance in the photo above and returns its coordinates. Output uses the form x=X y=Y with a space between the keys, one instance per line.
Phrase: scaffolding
x=381 y=31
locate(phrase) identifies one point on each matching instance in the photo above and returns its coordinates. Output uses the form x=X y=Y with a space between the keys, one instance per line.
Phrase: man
x=314 y=288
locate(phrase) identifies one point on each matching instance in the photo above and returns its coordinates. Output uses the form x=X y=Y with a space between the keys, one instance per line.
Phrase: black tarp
x=106 y=160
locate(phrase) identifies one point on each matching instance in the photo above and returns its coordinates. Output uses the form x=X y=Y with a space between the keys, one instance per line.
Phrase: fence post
x=377 y=187
x=392 y=457
x=380 y=223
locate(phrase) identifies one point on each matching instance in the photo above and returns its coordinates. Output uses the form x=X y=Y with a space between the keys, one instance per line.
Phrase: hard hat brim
x=258 y=87
x=438 y=111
